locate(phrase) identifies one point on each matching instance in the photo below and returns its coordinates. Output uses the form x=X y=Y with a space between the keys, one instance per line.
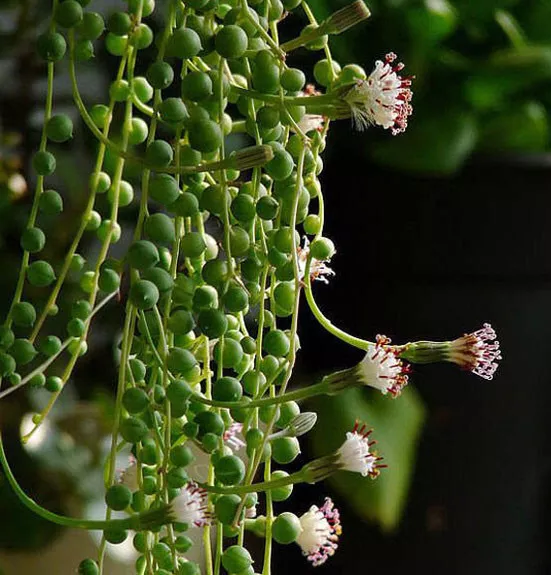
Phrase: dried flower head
x=477 y=352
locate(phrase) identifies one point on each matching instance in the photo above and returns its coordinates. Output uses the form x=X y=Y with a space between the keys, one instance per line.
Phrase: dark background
x=441 y=256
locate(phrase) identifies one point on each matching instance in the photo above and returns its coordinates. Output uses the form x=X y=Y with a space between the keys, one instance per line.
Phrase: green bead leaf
x=522 y=128
x=397 y=425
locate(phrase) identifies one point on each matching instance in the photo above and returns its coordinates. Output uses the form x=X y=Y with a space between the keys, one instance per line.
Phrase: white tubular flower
x=354 y=454
x=319 y=271
x=321 y=528
x=191 y=506
x=231 y=439
x=477 y=352
x=382 y=369
x=383 y=98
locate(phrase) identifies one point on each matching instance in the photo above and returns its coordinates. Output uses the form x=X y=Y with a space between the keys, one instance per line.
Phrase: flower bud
x=347 y=17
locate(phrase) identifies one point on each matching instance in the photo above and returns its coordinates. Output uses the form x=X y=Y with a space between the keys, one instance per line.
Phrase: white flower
x=318 y=270
x=230 y=436
x=354 y=454
x=250 y=512
x=477 y=352
x=310 y=122
x=383 y=98
x=320 y=532
x=191 y=506
x=382 y=369
x=129 y=476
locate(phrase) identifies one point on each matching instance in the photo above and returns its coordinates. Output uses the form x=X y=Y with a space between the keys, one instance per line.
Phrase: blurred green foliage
x=482 y=76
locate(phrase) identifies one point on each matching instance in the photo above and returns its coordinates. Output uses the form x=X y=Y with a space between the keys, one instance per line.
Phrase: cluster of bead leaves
x=216 y=269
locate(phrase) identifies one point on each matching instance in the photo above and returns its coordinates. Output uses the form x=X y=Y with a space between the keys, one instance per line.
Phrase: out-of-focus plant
x=482 y=71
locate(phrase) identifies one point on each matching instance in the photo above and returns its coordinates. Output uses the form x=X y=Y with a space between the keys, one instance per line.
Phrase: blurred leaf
x=507 y=72
x=523 y=128
x=482 y=10
x=511 y=28
x=536 y=20
x=435 y=142
x=431 y=22
x=397 y=425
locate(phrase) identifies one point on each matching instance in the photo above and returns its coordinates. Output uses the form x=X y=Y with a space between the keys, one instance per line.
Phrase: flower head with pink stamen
x=191 y=506
x=383 y=98
x=355 y=455
x=321 y=528
x=382 y=369
x=231 y=438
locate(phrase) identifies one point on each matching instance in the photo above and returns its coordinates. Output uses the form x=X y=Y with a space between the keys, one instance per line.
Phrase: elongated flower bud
x=346 y=17
x=338 y=22
x=251 y=157
x=243 y=159
x=300 y=425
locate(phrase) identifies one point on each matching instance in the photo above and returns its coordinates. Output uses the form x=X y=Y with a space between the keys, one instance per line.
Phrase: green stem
x=308 y=101
x=266 y=567
x=43 y=366
x=318 y=314
x=262 y=33
x=130 y=523
x=39 y=188
x=297 y=477
x=305 y=38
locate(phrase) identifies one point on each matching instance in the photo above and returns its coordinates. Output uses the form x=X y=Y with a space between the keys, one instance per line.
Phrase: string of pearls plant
x=224 y=247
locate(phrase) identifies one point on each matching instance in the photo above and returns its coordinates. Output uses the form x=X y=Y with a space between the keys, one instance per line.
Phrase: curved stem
x=130 y=523
x=326 y=323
